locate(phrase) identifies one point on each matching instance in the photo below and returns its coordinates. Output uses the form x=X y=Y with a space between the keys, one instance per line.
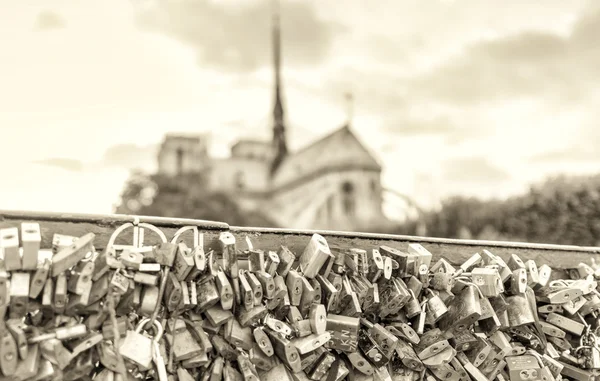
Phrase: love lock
x=138 y=348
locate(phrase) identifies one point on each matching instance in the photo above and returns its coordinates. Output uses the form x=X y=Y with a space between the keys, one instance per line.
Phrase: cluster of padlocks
x=175 y=311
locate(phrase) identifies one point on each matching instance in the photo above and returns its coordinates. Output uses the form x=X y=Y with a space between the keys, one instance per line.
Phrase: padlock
x=311 y=342
x=208 y=295
x=164 y=254
x=406 y=262
x=81 y=280
x=4 y=287
x=263 y=341
x=463 y=341
x=199 y=263
x=148 y=279
x=246 y=291
x=237 y=335
x=217 y=315
x=54 y=351
x=339 y=371
x=360 y=363
x=225 y=289
x=31 y=239
x=294 y=284
x=314 y=256
x=286 y=260
x=344 y=332
x=60 y=241
x=38 y=280
x=488 y=320
x=19 y=293
x=286 y=352
x=308 y=296
x=256 y=286
x=436 y=307
x=318 y=318
x=518 y=281
x=247 y=368
x=566 y=324
x=15 y=329
x=183 y=345
x=573 y=306
x=8 y=354
x=281 y=292
x=267 y=283
x=474 y=261
x=303 y=328
x=69 y=256
x=271 y=262
x=109 y=359
x=260 y=360
x=183 y=263
x=9 y=243
x=256 y=260
x=488 y=280
x=553 y=365
x=372 y=351
x=524 y=367
x=557 y=295
x=137 y=348
x=79 y=367
x=376 y=266
x=424 y=255
x=322 y=367
x=248 y=317
x=28 y=368
x=384 y=338
x=131 y=259
x=463 y=312
x=407 y=355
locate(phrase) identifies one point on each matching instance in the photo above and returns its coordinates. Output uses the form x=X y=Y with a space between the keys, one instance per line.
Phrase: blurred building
x=333 y=183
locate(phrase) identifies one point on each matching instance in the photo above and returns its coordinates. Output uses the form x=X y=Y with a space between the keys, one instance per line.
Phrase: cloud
x=238 y=38
x=527 y=64
x=433 y=126
x=573 y=154
x=473 y=170
x=49 y=20
x=131 y=156
x=72 y=165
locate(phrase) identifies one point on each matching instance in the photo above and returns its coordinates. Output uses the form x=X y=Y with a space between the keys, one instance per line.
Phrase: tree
x=561 y=210
x=185 y=196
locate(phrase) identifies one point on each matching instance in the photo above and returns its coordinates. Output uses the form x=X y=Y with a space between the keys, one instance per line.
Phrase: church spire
x=279 y=138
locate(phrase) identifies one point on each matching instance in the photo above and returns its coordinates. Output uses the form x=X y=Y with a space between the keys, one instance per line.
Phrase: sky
x=473 y=97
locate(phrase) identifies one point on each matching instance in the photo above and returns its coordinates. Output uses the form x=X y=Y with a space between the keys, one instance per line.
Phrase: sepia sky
x=474 y=97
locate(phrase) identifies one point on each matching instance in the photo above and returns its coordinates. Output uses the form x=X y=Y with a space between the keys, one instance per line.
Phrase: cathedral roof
x=310 y=153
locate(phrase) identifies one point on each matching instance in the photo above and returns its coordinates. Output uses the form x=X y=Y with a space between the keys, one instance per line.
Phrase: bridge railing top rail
x=454 y=250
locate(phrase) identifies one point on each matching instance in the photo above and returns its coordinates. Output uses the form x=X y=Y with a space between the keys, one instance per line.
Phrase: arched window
x=348 y=199
x=179 y=159
x=239 y=180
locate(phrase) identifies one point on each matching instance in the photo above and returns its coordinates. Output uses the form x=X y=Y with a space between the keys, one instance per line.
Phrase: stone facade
x=332 y=184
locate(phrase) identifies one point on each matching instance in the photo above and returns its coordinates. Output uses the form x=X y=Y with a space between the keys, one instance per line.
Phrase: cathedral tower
x=279 y=136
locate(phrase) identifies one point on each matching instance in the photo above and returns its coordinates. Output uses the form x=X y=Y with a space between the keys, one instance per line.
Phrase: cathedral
x=332 y=184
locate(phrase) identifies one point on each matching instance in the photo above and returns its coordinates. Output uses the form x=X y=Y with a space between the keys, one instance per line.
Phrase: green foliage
x=183 y=197
x=561 y=210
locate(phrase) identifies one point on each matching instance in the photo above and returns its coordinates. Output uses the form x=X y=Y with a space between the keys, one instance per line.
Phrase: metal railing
x=456 y=251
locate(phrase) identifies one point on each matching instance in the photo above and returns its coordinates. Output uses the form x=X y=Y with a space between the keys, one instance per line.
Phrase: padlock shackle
x=155 y=323
x=136 y=225
x=193 y=229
